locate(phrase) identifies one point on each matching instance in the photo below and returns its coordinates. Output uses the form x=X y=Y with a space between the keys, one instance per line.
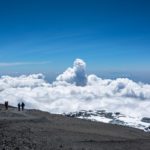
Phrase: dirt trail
x=37 y=130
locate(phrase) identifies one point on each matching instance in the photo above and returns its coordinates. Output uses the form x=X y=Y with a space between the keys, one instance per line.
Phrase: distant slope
x=37 y=130
x=113 y=118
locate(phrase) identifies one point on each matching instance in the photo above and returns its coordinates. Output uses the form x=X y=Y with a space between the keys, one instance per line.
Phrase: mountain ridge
x=36 y=130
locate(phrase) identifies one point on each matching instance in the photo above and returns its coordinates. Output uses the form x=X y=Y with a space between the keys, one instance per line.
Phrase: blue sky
x=46 y=36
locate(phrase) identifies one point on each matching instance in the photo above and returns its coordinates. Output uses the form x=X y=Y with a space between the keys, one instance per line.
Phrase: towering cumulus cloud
x=73 y=90
x=75 y=75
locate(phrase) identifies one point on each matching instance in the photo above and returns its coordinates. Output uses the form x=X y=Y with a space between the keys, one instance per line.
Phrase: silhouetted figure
x=22 y=106
x=6 y=105
x=19 y=106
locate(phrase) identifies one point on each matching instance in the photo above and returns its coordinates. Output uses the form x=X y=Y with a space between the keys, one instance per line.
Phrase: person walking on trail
x=19 y=106
x=6 y=105
x=22 y=106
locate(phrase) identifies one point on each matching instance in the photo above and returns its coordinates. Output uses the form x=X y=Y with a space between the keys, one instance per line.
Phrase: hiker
x=19 y=106
x=6 y=105
x=22 y=105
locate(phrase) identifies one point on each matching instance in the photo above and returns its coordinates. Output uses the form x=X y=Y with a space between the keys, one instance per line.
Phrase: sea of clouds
x=74 y=90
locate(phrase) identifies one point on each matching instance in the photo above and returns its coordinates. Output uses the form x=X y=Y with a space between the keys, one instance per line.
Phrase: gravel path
x=37 y=130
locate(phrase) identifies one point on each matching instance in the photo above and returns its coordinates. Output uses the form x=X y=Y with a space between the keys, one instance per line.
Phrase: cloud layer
x=73 y=90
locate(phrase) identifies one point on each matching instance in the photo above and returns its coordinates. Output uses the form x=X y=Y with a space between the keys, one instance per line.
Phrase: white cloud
x=75 y=75
x=7 y=64
x=74 y=90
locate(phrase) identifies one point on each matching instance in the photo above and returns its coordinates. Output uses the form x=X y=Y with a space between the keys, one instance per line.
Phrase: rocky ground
x=113 y=118
x=37 y=130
